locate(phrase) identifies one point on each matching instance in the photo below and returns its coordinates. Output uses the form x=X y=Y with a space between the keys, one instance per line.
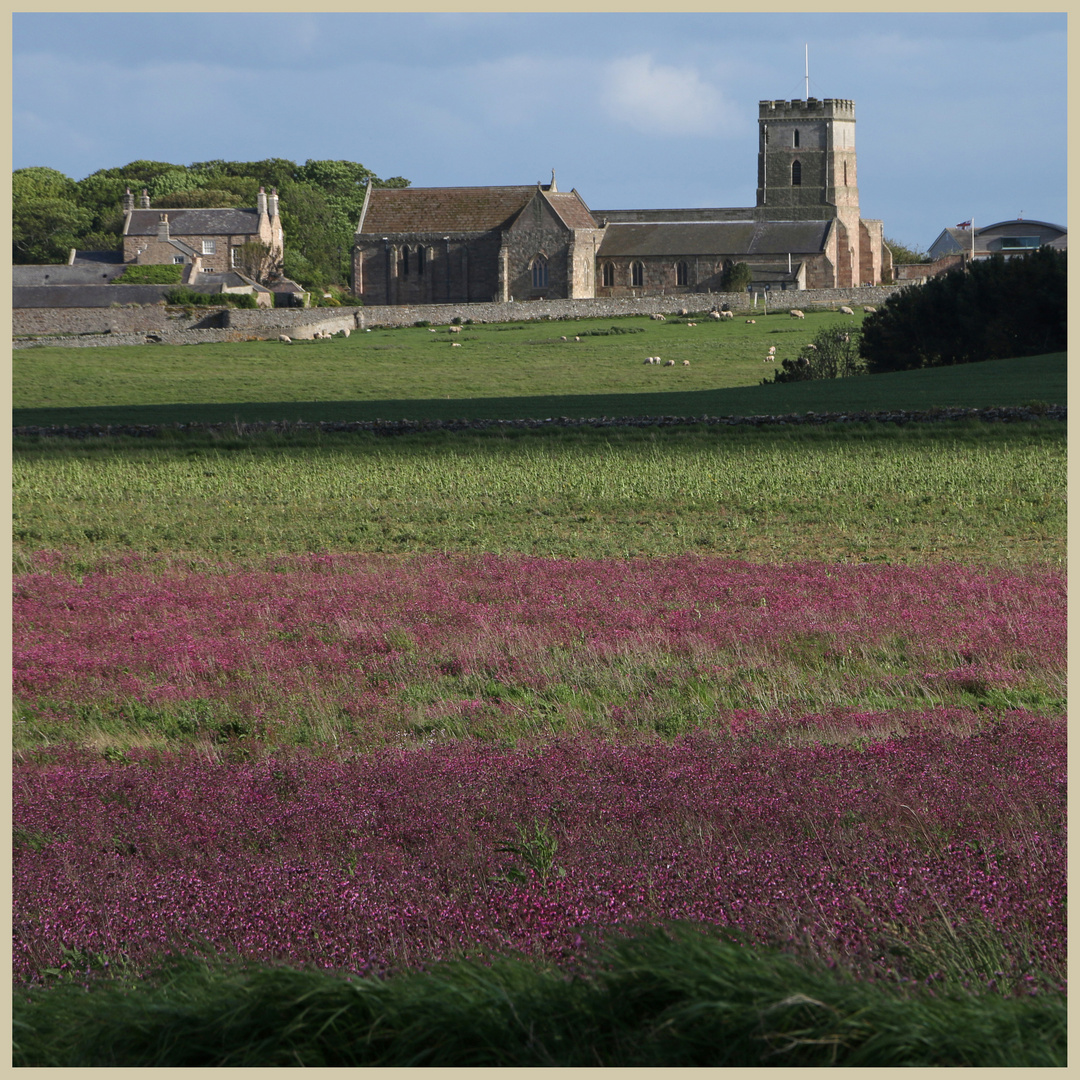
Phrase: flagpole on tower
x=807 y=47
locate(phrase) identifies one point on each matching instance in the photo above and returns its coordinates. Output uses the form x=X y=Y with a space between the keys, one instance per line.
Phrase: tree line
x=320 y=207
x=993 y=309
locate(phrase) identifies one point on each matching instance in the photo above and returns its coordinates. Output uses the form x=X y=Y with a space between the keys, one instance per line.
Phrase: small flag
x=963 y=224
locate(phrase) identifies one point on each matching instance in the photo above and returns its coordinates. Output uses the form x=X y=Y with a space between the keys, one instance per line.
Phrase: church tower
x=806 y=172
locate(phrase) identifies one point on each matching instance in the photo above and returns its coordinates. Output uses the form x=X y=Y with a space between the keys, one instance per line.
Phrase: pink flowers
x=397 y=857
x=851 y=752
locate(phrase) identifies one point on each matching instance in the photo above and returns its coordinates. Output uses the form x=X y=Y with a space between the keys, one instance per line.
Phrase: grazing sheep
x=715 y=315
x=563 y=338
x=285 y=338
x=577 y=339
x=657 y=317
x=686 y=363
x=728 y=314
x=455 y=344
x=795 y=313
x=870 y=310
x=647 y=360
x=811 y=346
x=845 y=310
x=669 y=363
x=772 y=349
x=454 y=329
x=683 y=311
x=749 y=321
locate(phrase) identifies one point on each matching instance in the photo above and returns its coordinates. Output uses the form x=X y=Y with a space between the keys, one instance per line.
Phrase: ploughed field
x=361 y=704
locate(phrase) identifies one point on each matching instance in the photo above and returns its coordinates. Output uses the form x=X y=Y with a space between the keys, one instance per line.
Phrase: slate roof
x=443 y=210
x=62 y=274
x=199 y=221
x=712 y=238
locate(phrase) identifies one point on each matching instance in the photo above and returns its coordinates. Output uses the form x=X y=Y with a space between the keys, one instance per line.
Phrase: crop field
x=366 y=706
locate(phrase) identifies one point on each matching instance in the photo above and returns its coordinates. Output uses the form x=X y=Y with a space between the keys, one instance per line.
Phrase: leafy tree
x=257 y=261
x=736 y=278
x=834 y=354
x=903 y=254
x=45 y=230
x=38 y=182
x=197 y=197
x=994 y=309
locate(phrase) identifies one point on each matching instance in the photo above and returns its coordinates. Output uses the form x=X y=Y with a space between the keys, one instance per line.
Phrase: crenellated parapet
x=797 y=109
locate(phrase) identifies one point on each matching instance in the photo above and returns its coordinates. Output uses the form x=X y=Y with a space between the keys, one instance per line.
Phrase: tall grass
x=680 y=999
x=919 y=493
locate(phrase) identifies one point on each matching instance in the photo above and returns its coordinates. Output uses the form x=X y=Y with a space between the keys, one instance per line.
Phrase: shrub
x=161 y=274
x=833 y=355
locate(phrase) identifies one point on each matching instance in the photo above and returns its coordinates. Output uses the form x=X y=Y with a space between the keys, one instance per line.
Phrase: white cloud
x=658 y=99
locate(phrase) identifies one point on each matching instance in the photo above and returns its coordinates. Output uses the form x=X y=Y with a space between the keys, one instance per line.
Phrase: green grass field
x=499 y=372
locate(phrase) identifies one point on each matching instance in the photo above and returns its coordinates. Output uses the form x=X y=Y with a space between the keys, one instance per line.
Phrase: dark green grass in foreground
x=661 y=1000
x=965 y=491
x=500 y=372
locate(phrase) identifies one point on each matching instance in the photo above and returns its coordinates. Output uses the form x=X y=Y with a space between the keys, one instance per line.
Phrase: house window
x=234 y=256
x=682 y=274
x=539 y=272
x=637 y=274
x=795 y=138
x=796 y=174
x=178 y=259
x=608 y=274
x=209 y=247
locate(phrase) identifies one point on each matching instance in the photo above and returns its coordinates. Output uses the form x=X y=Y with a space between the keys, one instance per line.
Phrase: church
x=534 y=242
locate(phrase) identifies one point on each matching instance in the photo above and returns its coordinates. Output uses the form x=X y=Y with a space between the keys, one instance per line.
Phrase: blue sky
x=958 y=115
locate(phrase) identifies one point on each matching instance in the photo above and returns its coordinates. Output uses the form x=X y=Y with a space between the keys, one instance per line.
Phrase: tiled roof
x=570 y=208
x=199 y=221
x=443 y=210
x=714 y=238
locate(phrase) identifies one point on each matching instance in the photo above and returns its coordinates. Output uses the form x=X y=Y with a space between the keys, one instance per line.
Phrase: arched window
x=637 y=274
x=796 y=174
x=540 y=272
x=420 y=260
x=682 y=274
x=608 y=274
x=404 y=261
x=795 y=138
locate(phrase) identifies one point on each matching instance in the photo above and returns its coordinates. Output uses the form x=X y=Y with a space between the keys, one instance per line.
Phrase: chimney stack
x=163 y=227
x=129 y=201
x=261 y=204
x=273 y=203
x=144 y=200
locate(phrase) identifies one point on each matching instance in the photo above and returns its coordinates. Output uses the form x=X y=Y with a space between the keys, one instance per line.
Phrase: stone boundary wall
x=78 y=327
x=81 y=327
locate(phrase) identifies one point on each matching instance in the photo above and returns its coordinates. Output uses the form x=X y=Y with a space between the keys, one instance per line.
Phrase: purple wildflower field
x=871 y=832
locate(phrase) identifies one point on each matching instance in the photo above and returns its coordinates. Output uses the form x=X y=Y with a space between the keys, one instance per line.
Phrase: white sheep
x=455 y=344
x=657 y=317
x=749 y=321
x=728 y=314
x=715 y=315
x=870 y=310
x=691 y=324
x=455 y=329
x=795 y=313
x=845 y=310
x=669 y=363
x=683 y=311
x=285 y=338
x=686 y=363
x=772 y=349
x=577 y=339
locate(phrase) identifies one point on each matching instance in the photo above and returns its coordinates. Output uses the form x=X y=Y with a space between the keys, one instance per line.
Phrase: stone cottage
x=213 y=236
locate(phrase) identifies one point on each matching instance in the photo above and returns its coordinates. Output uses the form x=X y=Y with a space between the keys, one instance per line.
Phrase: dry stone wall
x=78 y=327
